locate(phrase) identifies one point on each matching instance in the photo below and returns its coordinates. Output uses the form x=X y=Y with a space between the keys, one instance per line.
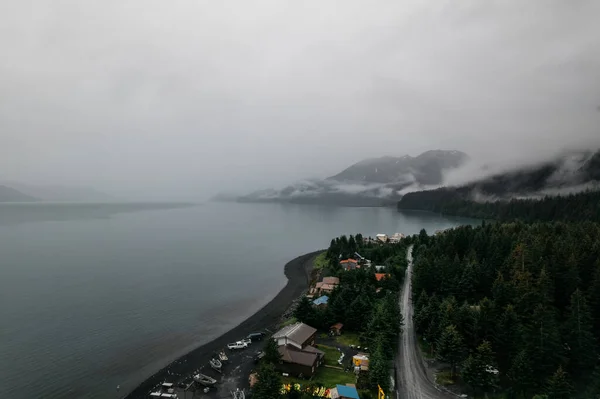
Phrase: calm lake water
x=95 y=296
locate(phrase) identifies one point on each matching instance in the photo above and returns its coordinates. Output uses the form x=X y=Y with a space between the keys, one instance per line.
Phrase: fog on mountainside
x=145 y=101
x=53 y=193
x=571 y=173
x=9 y=194
x=371 y=182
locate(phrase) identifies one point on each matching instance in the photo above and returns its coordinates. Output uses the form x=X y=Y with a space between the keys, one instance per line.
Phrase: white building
x=382 y=237
x=397 y=237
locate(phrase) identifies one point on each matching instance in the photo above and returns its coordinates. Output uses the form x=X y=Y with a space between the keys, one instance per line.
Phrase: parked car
x=237 y=345
x=246 y=341
x=258 y=336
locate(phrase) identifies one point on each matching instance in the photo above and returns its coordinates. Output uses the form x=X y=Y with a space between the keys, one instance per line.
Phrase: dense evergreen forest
x=583 y=206
x=520 y=299
x=363 y=304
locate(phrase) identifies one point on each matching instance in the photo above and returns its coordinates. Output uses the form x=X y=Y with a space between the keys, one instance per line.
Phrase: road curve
x=412 y=382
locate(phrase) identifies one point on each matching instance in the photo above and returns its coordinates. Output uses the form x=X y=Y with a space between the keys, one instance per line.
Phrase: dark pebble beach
x=267 y=318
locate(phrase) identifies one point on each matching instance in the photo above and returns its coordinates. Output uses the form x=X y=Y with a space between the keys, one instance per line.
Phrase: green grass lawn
x=444 y=378
x=321 y=261
x=331 y=355
x=493 y=396
x=330 y=377
x=324 y=377
x=289 y=321
x=347 y=339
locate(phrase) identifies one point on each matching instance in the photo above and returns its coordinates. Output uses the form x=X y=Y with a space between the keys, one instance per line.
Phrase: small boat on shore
x=204 y=380
x=223 y=357
x=238 y=394
x=216 y=364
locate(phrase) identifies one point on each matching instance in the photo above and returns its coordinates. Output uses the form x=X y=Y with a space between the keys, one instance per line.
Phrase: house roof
x=298 y=332
x=321 y=300
x=290 y=355
x=347 y=392
x=331 y=280
x=350 y=260
x=381 y=276
x=311 y=349
x=337 y=326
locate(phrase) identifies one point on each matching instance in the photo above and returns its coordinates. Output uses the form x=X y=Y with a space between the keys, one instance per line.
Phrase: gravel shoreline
x=268 y=317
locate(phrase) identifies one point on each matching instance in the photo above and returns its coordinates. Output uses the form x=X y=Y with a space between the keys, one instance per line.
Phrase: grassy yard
x=347 y=339
x=330 y=377
x=321 y=261
x=324 y=377
x=331 y=355
x=444 y=378
x=492 y=396
x=289 y=321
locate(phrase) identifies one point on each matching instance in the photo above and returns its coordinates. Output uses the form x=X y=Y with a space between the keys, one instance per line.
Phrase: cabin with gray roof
x=298 y=335
x=298 y=355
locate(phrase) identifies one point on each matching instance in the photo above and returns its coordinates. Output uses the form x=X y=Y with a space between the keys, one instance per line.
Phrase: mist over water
x=90 y=303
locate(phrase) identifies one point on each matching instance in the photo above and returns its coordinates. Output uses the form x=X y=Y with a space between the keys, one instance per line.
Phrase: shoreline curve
x=297 y=271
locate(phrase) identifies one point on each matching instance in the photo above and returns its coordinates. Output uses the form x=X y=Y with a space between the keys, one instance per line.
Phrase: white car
x=237 y=345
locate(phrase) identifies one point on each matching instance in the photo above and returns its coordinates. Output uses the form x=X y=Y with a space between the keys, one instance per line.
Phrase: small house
x=396 y=238
x=326 y=286
x=298 y=362
x=298 y=355
x=382 y=238
x=298 y=335
x=381 y=276
x=336 y=329
x=349 y=264
x=344 y=392
x=361 y=361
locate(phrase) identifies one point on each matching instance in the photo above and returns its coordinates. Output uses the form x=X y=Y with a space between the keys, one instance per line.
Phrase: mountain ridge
x=572 y=172
x=370 y=182
x=9 y=194
x=59 y=193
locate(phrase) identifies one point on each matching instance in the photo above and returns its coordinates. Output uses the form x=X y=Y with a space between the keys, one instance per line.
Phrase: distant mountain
x=572 y=172
x=57 y=193
x=9 y=194
x=426 y=169
x=371 y=182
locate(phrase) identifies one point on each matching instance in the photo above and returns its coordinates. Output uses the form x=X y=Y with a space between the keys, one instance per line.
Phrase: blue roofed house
x=344 y=392
x=321 y=301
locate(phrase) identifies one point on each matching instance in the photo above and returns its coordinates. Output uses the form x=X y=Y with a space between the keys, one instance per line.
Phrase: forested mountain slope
x=522 y=298
x=569 y=173
x=583 y=206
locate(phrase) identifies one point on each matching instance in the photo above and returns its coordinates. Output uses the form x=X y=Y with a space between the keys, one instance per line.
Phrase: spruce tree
x=451 y=348
x=305 y=311
x=580 y=337
x=520 y=373
x=272 y=354
x=559 y=386
x=379 y=373
x=479 y=370
x=269 y=383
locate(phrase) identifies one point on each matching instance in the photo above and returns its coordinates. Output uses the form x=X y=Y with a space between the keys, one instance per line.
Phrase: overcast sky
x=139 y=97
